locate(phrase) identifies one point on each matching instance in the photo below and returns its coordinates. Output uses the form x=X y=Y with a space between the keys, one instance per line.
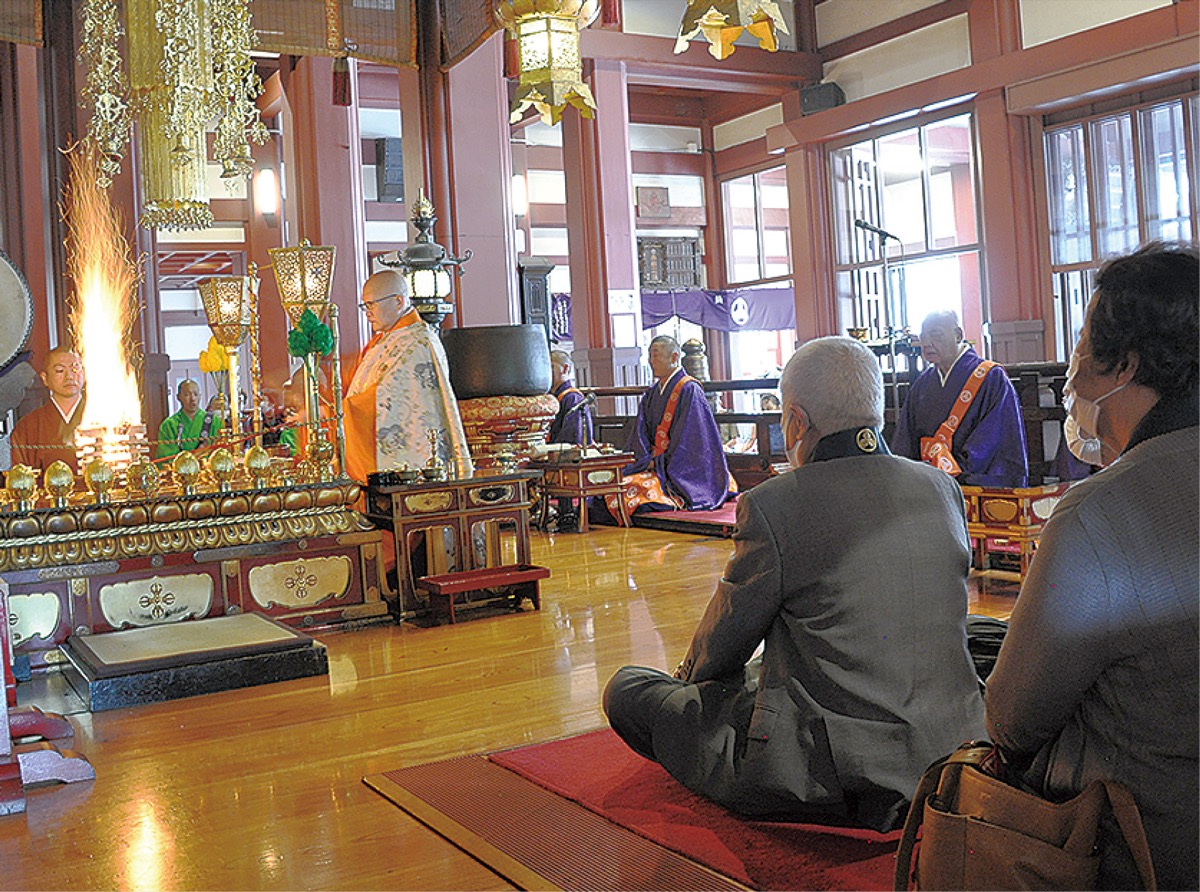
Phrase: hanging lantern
x=188 y=65
x=304 y=276
x=723 y=21
x=547 y=36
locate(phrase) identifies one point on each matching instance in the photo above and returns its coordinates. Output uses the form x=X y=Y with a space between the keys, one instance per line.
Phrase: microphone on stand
x=882 y=233
x=589 y=400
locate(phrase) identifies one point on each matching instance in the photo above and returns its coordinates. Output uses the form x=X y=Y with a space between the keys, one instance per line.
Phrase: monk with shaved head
x=962 y=414
x=47 y=434
x=401 y=389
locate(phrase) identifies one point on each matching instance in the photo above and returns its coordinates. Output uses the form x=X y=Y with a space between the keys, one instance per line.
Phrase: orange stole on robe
x=358 y=414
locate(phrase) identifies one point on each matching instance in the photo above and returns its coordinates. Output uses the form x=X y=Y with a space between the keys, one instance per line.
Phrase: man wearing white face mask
x=1097 y=677
x=851 y=572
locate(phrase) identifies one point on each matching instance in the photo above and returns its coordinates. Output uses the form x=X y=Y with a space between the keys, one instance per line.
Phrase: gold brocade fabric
x=465 y=25
x=383 y=30
x=21 y=21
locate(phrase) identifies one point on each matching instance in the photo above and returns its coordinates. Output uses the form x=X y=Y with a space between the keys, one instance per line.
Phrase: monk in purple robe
x=982 y=444
x=679 y=460
x=572 y=424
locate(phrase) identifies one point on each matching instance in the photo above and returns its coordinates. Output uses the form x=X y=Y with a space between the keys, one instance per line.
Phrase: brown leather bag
x=978 y=832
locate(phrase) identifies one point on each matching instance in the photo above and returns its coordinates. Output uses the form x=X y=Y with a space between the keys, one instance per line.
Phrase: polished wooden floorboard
x=261 y=788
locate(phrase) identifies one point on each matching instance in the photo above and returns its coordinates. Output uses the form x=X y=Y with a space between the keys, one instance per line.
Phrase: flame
x=100 y=262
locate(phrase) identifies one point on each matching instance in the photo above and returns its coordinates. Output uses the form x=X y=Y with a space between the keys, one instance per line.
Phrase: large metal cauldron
x=498 y=360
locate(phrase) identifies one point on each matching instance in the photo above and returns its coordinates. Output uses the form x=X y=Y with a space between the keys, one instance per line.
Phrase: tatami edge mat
x=533 y=838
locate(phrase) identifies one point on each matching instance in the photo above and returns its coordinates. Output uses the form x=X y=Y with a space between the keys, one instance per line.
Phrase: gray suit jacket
x=853 y=572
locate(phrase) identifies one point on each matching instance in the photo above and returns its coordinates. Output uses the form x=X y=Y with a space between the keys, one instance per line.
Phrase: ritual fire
x=102 y=266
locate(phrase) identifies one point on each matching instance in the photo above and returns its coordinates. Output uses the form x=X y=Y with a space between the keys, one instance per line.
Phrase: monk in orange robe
x=52 y=425
x=400 y=390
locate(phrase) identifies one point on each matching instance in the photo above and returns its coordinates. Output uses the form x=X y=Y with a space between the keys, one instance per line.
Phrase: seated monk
x=189 y=428
x=47 y=434
x=962 y=413
x=572 y=424
x=864 y=677
x=678 y=457
x=400 y=389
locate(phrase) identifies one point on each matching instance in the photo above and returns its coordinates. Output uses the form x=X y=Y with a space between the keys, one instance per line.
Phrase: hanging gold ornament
x=105 y=86
x=189 y=64
x=723 y=21
x=547 y=35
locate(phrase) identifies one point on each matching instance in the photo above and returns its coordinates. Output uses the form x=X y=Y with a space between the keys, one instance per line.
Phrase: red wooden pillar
x=810 y=216
x=605 y=295
x=1008 y=214
x=325 y=196
x=481 y=161
x=23 y=184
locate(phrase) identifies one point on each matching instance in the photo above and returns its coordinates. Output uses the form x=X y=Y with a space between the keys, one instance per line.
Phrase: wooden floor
x=261 y=788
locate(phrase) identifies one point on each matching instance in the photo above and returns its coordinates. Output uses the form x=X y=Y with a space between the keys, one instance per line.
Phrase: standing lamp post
x=427 y=266
x=304 y=276
x=231 y=304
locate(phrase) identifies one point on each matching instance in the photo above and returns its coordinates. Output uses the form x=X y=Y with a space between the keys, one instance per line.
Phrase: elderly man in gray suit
x=851 y=572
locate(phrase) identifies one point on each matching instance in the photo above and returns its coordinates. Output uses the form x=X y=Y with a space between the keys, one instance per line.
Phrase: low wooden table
x=579 y=478
x=461 y=520
x=1001 y=519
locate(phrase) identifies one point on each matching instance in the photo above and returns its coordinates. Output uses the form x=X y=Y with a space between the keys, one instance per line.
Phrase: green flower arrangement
x=310 y=336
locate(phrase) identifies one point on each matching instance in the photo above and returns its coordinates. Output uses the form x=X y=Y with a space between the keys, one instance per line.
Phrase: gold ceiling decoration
x=547 y=35
x=723 y=21
x=188 y=65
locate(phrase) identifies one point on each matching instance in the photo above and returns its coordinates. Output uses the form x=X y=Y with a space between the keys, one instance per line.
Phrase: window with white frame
x=757 y=228
x=918 y=185
x=1115 y=181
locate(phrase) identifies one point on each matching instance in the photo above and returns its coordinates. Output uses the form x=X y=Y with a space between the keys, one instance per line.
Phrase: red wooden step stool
x=518 y=580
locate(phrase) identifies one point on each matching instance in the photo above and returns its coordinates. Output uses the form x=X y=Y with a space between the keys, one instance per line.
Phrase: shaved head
x=385 y=299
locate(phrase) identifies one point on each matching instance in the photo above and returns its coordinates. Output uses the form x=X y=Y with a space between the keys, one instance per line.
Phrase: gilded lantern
x=547 y=35
x=723 y=21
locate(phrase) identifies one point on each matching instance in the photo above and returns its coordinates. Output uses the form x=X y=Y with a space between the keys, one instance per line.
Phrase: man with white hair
x=962 y=413
x=401 y=389
x=851 y=572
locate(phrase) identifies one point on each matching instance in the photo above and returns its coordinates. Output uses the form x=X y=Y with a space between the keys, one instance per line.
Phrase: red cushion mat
x=599 y=772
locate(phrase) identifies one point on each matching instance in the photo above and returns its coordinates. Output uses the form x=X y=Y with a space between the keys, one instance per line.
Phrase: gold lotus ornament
x=723 y=21
x=22 y=486
x=258 y=465
x=223 y=466
x=187 y=468
x=142 y=477
x=98 y=476
x=59 y=480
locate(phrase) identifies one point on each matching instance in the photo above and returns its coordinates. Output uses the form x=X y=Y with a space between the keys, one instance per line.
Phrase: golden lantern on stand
x=304 y=277
x=547 y=35
x=723 y=21
x=231 y=304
